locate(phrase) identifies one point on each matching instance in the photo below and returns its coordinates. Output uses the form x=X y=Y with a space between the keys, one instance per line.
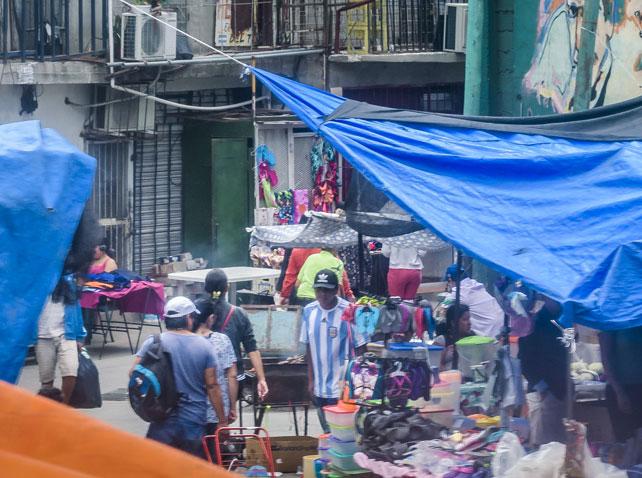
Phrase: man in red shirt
x=297 y=259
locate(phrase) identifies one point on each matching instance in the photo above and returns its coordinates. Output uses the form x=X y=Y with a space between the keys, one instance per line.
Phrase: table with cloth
x=143 y=297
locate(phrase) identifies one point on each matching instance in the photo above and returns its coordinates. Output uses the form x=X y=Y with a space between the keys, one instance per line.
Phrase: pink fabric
x=389 y=470
x=404 y=283
x=141 y=296
x=98 y=268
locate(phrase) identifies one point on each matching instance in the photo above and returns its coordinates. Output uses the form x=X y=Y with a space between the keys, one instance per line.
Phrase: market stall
x=527 y=197
x=109 y=293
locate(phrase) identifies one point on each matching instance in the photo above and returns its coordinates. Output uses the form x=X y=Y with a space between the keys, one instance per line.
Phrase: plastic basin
x=324 y=441
x=343 y=462
x=340 y=415
x=324 y=453
x=343 y=447
x=348 y=433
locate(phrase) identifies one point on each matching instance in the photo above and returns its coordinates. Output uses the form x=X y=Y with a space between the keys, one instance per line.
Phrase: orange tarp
x=41 y=438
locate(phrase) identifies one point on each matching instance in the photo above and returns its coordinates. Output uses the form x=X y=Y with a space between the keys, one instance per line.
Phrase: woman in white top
x=404 y=274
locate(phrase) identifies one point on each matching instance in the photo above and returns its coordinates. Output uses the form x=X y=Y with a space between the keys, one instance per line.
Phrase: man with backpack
x=190 y=360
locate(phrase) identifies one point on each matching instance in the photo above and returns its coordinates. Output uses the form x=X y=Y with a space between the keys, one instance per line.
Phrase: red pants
x=404 y=283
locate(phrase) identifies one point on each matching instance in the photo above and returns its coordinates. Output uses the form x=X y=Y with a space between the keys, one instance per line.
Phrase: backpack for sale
x=152 y=391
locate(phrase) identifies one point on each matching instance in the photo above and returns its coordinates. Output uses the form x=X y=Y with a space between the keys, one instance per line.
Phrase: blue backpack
x=152 y=390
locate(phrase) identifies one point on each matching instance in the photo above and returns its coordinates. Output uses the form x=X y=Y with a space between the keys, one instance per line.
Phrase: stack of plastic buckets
x=342 y=443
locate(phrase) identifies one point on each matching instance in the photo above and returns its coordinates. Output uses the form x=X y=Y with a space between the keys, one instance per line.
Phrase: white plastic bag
x=595 y=468
x=547 y=462
x=509 y=452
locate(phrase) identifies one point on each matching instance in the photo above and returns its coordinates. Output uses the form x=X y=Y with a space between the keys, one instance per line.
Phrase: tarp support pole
x=362 y=263
x=460 y=259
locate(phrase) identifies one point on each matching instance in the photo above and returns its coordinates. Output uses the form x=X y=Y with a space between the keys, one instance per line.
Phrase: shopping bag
x=86 y=393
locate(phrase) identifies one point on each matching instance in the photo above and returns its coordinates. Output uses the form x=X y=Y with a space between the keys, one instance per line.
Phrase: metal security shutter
x=158 y=216
x=110 y=195
x=157 y=192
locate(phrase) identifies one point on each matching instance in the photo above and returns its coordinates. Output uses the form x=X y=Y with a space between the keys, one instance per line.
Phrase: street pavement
x=116 y=411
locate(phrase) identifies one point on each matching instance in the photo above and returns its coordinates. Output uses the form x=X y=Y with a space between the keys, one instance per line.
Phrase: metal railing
x=390 y=26
x=355 y=26
x=52 y=29
x=60 y=29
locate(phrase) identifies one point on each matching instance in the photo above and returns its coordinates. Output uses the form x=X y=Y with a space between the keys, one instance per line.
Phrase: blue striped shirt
x=329 y=341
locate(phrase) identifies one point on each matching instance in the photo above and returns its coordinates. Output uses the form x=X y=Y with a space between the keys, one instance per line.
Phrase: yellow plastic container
x=308 y=466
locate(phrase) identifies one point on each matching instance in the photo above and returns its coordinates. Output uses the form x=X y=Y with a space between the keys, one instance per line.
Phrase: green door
x=231 y=180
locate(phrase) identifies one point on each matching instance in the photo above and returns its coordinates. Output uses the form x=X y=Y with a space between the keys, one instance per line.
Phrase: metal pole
x=5 y=28
x=67 y=27
x=23 y=30
x=53 y=23
x=460 y=256
x=362 y=263
x=586 y=56
x=81 y=20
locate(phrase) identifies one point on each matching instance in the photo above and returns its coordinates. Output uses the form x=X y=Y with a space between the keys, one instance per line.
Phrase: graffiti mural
x=617 y=68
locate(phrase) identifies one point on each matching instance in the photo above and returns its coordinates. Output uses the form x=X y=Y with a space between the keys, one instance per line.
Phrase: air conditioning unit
x=144 y=38
x=122 y=114
x=455 y=23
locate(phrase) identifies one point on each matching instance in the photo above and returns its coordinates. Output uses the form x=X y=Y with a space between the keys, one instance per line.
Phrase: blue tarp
x=44 y=185
x=564 y=215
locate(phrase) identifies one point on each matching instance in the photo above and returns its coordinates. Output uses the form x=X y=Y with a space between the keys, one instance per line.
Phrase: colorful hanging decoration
x=267 y=176
x=285 y=207
x=324 y=170
x=263 y=153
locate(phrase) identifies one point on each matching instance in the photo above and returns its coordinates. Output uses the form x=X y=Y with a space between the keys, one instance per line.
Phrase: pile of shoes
x=389 y=435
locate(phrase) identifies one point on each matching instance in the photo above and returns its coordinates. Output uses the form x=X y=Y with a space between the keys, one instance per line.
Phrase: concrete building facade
x=157 y=162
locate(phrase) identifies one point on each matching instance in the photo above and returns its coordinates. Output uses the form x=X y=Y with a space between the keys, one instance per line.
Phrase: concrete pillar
x=477 y=82
x=586 y=56
x=477 y=90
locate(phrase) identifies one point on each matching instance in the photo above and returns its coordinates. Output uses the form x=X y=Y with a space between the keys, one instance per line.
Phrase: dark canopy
x=618 y=122
x=554 y=201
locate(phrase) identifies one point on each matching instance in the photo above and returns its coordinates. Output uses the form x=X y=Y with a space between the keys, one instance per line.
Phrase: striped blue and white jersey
x=329 y=340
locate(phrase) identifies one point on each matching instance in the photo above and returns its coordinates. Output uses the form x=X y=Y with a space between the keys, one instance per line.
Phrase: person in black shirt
x=544 y=364
x=233 y=322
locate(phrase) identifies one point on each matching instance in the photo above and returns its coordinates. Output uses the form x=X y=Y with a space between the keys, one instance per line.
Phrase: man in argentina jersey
x=329 y=340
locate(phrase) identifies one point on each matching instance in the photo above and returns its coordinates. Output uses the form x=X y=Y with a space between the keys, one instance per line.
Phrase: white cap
x=179 y=307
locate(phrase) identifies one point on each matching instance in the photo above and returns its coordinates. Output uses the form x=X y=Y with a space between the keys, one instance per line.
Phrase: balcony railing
x=62 y=29
x=52 y=29
x=390 y=26
x=358 y=26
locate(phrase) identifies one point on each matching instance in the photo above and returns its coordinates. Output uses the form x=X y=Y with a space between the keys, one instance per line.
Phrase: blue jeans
x=320 y=402
x=179 y=433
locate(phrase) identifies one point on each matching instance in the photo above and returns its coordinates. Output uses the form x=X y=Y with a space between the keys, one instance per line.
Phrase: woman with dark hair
x=233 y=322
x=226 y=370
x=60 y=327
x=457 y=327
x=102 y=260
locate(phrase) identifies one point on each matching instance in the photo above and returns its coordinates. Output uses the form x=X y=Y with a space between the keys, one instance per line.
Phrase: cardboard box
x=287 y=452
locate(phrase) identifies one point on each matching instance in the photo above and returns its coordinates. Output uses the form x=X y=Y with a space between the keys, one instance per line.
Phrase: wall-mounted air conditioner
x=455 y=23
x=121 y=113
x=144 y=38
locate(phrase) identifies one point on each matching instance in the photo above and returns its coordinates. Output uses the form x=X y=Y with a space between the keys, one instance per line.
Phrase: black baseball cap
x=326 y=279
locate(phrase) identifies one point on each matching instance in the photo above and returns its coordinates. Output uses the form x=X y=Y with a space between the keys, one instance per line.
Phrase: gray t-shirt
x=191 y=356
